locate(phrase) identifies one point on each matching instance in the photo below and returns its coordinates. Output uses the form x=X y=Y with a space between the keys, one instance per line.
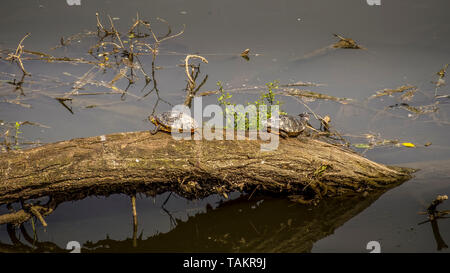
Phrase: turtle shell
x=174 y=121
x=291 y=125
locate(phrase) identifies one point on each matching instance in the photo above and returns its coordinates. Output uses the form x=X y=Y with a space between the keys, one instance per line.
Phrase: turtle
x=291 y=126
x=173 y=120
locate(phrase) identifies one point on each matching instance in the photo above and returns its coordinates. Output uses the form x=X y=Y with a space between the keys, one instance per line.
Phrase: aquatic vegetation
x=11 y=135
x=312 y=96
x=343 y=43
x=441 y=79
x=346 y=43
x=266 y=99
x=390 y=92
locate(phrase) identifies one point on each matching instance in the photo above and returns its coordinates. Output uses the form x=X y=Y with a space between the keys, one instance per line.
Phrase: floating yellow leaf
x=408 y=144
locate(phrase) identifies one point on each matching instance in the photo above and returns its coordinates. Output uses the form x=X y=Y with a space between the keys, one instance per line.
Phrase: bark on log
x=140 y=162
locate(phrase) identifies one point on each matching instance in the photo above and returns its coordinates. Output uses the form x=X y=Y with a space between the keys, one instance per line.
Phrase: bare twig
x=191 y=86
x=17 y=55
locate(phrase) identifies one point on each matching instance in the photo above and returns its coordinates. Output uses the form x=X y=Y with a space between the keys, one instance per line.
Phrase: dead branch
x=191 y=87
x=436 y=202
x=17 y=55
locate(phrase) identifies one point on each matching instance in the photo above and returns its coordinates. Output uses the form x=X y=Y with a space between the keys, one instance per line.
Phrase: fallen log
x=131 y=162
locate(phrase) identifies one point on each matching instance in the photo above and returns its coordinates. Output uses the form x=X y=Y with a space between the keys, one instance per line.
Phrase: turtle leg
x=280 y=133
x=154 y=131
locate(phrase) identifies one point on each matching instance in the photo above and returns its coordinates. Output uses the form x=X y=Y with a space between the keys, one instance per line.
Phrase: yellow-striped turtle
x=290 y=126
x=173 y=121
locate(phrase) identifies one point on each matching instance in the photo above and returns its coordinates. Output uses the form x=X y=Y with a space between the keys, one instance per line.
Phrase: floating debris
x=313 y=95
x=300 y=83
x=244 y=54
x=343 y=42
x=377 y=141
x=408 y=96
x=408 y=144
x=256 y=88
x=441 y=81
x=442 y=72
x=346 y=43
x=443 y=97
x=389 y=92
x=415 y=111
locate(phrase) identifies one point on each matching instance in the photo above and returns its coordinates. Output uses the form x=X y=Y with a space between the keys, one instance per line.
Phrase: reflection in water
x=264 y=224
x=437 y=235
x=440 y=243
x=433 y=217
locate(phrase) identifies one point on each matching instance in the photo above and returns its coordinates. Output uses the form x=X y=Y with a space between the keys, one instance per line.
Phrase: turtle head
x=304 y=116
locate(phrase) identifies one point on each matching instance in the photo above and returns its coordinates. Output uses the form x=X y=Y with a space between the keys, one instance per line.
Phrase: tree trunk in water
x=305 y=168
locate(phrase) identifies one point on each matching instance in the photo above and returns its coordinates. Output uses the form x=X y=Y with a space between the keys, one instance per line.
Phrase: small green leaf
x=362 y=146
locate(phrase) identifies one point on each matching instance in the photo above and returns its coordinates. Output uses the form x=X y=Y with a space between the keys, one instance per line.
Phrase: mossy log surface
x=140 y=162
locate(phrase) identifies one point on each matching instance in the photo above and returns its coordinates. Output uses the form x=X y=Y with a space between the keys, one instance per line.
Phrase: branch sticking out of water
x=191 y=88
x=436 y=202
x=16 y=56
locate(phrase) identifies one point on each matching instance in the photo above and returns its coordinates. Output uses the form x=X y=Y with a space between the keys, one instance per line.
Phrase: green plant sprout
x=16 y=135
x=265 y=99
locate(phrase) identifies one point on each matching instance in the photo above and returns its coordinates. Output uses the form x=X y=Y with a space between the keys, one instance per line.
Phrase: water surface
x=407 y=43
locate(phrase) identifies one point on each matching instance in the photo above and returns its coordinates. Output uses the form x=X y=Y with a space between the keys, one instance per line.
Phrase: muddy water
x=407 y=43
